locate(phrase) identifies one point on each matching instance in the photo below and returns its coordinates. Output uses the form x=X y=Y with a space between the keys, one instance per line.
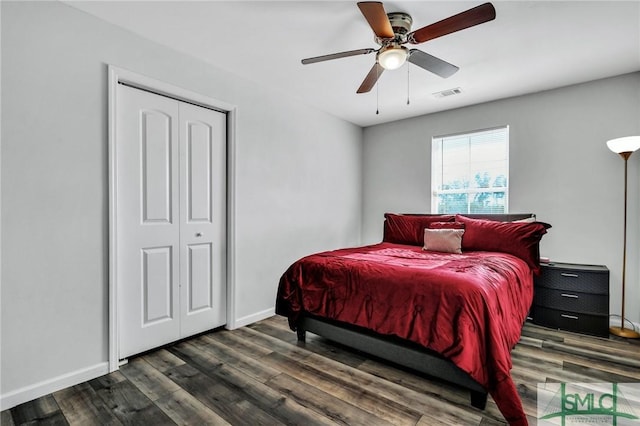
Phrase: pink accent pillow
x=520 y=239
x=409 y=229
x=443 y=240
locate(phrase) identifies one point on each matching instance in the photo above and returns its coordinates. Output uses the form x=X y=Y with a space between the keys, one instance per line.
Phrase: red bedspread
x=468 y=307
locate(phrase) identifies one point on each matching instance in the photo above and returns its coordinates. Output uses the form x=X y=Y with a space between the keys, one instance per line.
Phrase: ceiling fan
x=393 y=30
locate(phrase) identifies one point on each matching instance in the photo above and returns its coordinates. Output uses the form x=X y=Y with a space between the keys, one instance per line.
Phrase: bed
x=446 y=295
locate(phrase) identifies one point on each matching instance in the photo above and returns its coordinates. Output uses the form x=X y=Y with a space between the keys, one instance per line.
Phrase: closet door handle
x=198 y=234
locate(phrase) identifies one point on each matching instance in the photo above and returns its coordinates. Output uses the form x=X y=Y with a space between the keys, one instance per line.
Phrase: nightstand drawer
x=597 y=325
x=592 y=280
x=573 y=301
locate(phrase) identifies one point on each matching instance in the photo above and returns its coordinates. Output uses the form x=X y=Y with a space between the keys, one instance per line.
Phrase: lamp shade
x=391 y=58
x=626 y=144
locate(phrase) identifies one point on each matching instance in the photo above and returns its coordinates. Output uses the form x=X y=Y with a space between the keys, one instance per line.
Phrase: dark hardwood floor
x=260 y=375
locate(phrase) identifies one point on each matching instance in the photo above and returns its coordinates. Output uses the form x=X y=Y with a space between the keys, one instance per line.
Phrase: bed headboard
x=501 y=217
x=480 y=234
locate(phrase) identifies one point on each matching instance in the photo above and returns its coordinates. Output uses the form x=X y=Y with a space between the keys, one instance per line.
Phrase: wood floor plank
x=273 y=402
x=549 y=354
x=597 y=374
x=162 y=360
x=6 y=419
x=526 y=352
x=344 y=388
x=82 y=406
x=269 y=341
x=148 y=379
x=581 y=351
x=128 y=403
x=43 y=410
x=333 y=408
x=251 y=390
x=432 y=421
x=248 y=364
x=107 y=380
x=492 y=422
x=632 y=374
x=219 y=397
x=580 y=355
x=247 y=345
x=416 y=382
x=542 y=333
x=276 y=321
x=622 y=351
x=287 y=336
x=176 y=403
x=184 y=409
x=526 y=369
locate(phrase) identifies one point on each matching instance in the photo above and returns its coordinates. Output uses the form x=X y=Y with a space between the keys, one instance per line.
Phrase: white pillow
x=443 y=240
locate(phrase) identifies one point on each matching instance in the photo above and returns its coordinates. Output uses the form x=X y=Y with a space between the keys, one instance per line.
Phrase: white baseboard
x=250 y=319
x=31 y=392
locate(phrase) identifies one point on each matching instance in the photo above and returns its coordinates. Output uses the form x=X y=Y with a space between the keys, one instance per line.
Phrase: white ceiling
x=530 y=46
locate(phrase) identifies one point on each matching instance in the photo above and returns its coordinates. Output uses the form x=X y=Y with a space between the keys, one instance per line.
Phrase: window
x=470 y=172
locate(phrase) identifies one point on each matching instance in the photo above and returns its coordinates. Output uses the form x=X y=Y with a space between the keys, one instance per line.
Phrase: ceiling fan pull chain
x=408 y=82
x=377 y=91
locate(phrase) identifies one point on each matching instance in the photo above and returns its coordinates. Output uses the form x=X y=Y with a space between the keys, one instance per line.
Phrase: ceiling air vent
x=448 y=92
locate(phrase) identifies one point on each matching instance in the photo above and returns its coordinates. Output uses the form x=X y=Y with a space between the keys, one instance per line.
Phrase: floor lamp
x=625 y=147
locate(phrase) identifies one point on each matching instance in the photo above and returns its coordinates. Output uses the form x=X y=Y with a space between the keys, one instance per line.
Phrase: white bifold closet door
x=170 y=210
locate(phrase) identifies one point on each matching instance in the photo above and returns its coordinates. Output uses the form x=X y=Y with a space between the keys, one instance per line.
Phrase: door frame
x=117 y=76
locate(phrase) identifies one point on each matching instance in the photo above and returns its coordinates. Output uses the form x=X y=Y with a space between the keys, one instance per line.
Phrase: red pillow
x=516 y=238
x=409 y=229
x=446 y=225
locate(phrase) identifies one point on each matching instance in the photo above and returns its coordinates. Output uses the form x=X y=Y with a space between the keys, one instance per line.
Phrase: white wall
x=560 y=169
x=298 y=187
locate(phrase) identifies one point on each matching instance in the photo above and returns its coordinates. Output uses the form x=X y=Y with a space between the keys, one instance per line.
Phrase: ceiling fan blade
x=432 y=64
x=477 y=15
x=371 y=78
x=375 y=15
x=337 y=56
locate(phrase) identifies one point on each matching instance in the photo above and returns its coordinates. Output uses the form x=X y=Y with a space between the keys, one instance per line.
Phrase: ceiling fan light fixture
x=392 y=57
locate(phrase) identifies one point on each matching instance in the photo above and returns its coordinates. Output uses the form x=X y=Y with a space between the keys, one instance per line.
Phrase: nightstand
x=572 y=297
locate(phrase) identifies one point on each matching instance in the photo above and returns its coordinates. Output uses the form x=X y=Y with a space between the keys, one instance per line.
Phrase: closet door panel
x=203 y=224
x=199 y=280
x=199 y=172
x=155 y=165
x=157 y=286
x=148 y=231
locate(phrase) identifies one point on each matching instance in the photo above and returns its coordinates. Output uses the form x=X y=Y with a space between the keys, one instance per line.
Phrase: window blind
x=470 y=172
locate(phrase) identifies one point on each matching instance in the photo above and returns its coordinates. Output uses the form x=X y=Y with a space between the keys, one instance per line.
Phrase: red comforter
x=468 y=307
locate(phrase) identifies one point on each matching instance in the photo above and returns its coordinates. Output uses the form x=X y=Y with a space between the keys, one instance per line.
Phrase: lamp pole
x=624 y=147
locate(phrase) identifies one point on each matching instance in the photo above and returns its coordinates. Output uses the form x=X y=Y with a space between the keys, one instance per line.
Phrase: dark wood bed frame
x=398 y=351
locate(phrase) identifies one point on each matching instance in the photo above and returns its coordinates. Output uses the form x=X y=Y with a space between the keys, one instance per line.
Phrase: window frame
x=437 y=169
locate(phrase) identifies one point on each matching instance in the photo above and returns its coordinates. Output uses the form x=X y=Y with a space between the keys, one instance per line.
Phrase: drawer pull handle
x=573 y=317
x=572 y=296
x=566 y=274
